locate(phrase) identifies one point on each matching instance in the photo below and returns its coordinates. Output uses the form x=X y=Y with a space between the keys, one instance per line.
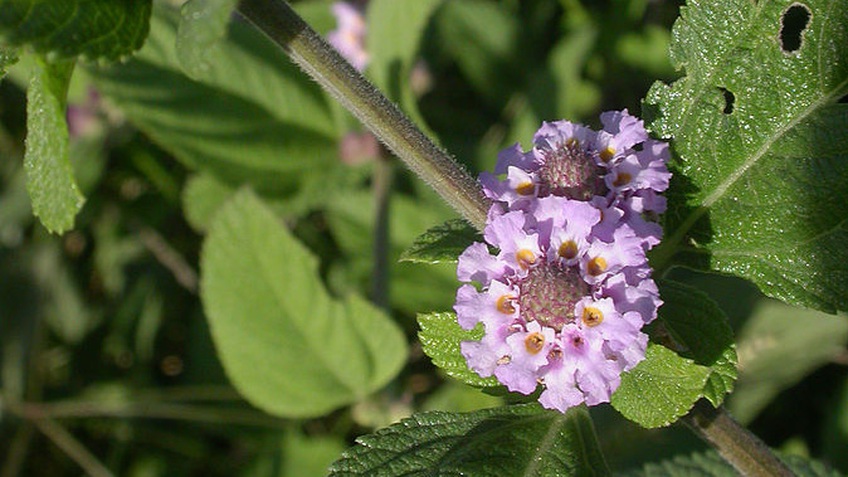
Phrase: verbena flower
x=562 y=285
x=349 y=36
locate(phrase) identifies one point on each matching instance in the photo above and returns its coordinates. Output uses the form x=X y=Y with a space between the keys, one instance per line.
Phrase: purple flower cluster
x=349 y=36
x=565 y=294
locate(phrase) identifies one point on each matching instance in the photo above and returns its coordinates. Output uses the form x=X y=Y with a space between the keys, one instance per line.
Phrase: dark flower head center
x=549 y=293
x=571 y=171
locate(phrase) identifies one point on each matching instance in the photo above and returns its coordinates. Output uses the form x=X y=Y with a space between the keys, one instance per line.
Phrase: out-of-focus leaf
x=395 y=29
x=56 y=199
x=93 y=29
x=760 y=187
x=442 y=243
x=458 y=397
x=482 y=38
x=203 y=23
x=202 y=196
x=286 y=345
x=253 y=117
x=778 y=346
x=308 y=456
x=440 y=337
x=515 y=440
x=8 y=57
x=414 y=286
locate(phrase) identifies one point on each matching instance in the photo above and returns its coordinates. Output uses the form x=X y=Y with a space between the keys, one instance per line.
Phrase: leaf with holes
x=93 y=29
x=761 y=185
x=442 y=243
x=286 y=345
x=56 y=199
x=515 y=440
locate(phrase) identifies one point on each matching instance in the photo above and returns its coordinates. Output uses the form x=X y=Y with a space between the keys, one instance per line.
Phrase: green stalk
x=737 y=445
x=277 y=20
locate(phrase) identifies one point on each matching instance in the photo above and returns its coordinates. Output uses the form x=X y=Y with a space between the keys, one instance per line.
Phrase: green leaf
x=203 y=23
x=699 y=328
x=253 y=118
x=774 y=332
x=414 y=287
x=308 y=456
x=56 y=199
x=516 y=440
x=395 y=29
x=8 y=57
x=202 y=196
x=93 y=29
x=482 y=37
x=440 y=337
x=761 y=187
x=660 y=389
x=286 y=345
x=442 y=243
x=710 y=464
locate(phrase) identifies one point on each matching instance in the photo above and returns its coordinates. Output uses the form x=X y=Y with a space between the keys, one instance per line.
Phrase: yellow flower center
x=607 y=154
x=596 y=266
x=592 y=316
x=525 y=258
x=622 y=179
x=526 y=188
x=568 y=250
x=506 y=304
x=534 y=342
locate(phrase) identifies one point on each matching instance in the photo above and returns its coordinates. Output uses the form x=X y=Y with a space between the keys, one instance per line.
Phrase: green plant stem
x=146 y=410
x=277 y=20
x=737 y=445
x=382 y=184
x=72 y=447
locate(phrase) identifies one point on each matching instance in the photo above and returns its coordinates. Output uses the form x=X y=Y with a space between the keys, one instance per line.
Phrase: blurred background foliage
x=106 y=352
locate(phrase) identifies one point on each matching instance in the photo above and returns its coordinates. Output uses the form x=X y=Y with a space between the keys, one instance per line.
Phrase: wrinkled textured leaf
x=443 y=243
x=710 y=464
x=440 y=337
x=761 y=183
x=660 y=389
x=516 y=440
x=700 y=330
x=286 y=345
x=253 y=118
x=56 y=199
x=93 y=29
x=203 y=23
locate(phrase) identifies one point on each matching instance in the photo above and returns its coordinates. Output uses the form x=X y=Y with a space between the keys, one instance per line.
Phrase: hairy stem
x=277 y=20
x=737 y=445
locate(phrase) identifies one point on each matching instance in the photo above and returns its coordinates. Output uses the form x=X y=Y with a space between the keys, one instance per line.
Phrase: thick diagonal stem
x=277 y=20
x=737 y=445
